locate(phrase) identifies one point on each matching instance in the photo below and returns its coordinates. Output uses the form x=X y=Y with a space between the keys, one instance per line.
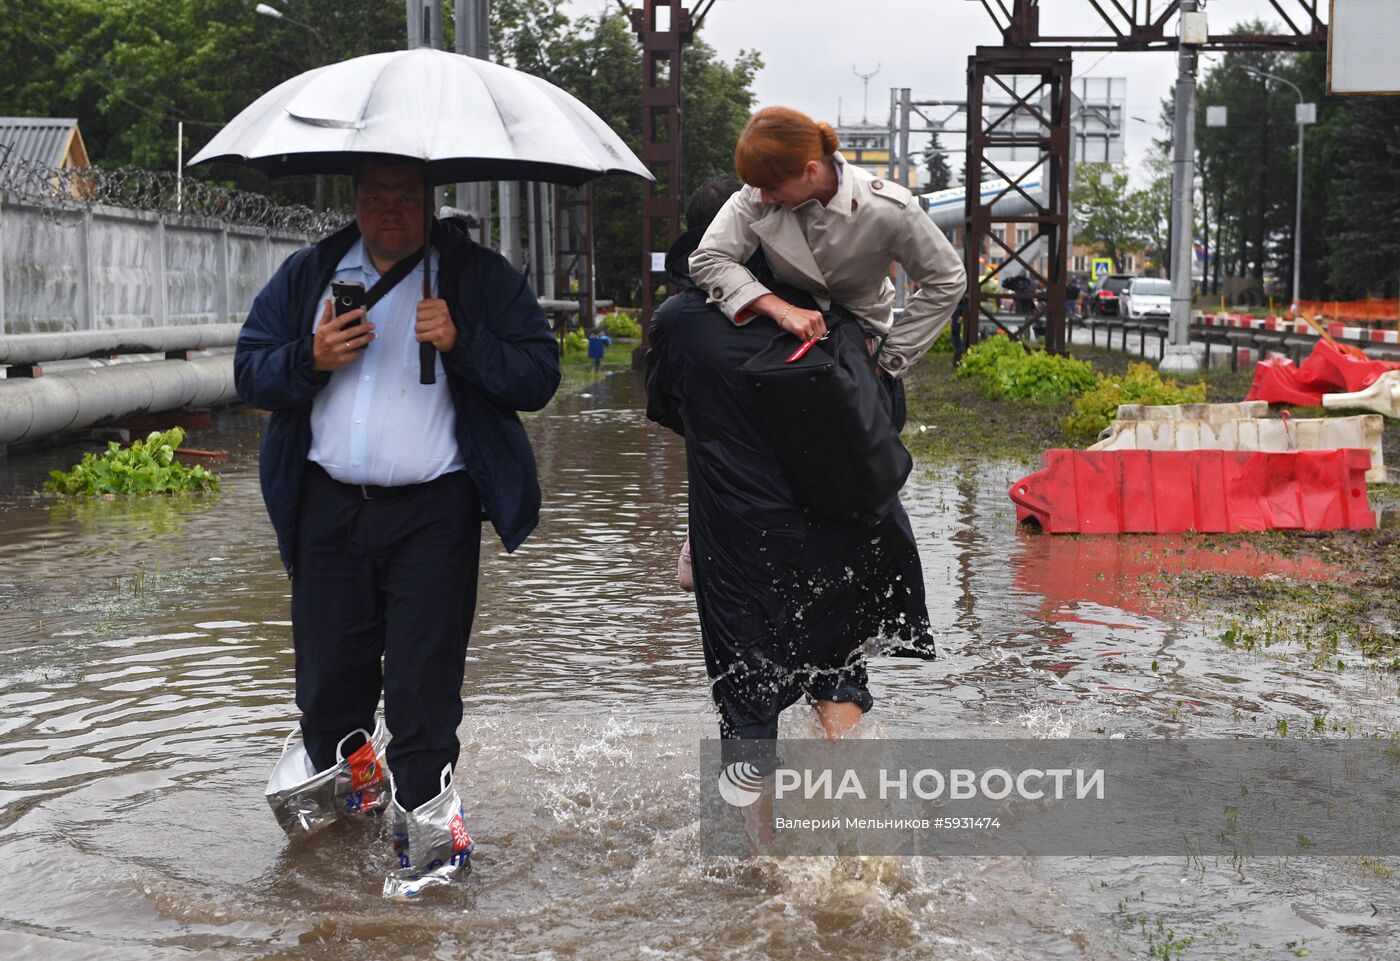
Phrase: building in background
x=867 y=145
x=41 y=145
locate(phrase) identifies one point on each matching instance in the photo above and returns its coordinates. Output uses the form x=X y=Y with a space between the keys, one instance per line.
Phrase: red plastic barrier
x=1276 y=381
x=1331 y=369
x=1212 y=491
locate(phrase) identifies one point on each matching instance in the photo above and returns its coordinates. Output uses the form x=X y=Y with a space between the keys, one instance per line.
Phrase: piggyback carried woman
x=831 y=229
x=788 y=600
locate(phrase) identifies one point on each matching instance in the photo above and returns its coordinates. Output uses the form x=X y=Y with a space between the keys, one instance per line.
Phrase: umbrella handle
x=427 y=361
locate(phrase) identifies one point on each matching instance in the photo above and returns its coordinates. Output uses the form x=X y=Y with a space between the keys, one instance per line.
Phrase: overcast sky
x=810 y=49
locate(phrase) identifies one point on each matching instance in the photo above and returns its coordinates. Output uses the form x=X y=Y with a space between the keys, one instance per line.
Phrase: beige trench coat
x=841 y=252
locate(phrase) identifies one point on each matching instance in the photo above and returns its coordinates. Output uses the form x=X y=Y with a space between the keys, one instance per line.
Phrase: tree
x=1365 y=207
x=936 y=162
x=1107 y=217
x=1151 y=211
x=1246 y=166
x=130 y=70
x=1350 y=187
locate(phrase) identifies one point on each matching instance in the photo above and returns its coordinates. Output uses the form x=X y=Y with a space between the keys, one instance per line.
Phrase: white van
x=1146 y=297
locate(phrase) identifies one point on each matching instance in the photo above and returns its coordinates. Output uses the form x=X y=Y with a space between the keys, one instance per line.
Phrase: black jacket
x=505 y=360
x=764 y=573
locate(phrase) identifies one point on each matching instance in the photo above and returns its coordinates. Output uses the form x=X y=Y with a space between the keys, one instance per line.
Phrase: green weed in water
x=146 y=467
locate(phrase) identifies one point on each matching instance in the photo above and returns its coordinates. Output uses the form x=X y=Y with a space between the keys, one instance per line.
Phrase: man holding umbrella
x=376 y=483
x=394 y=427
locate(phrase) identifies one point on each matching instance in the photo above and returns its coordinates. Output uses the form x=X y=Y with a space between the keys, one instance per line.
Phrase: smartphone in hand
x=347 y=295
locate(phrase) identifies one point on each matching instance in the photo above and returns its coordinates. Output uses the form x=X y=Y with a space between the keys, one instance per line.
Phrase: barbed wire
x=65 y=194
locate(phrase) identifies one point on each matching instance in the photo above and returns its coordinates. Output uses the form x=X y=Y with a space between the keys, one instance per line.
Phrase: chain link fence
x=65 y=194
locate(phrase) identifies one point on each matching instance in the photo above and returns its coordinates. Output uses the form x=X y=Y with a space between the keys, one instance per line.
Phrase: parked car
x=1104 y=299
x=1146 y=297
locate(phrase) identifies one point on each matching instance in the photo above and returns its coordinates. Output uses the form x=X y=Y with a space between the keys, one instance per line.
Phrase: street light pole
x=274 y=13
x=1178 y=357
x=1304 y=114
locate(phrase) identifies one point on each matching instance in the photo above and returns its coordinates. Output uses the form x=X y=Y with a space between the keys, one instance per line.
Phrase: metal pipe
x=44 y=348
x=1298 y=218
x=34 y=408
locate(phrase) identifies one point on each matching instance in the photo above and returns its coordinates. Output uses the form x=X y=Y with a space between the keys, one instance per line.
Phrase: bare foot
x=837 y=717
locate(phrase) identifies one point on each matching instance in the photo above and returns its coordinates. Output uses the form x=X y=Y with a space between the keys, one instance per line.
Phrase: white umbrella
x=465 y=119
x=468 y=119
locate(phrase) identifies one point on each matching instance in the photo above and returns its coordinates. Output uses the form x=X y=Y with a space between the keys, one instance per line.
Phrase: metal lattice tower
x=573 y=250
x=1134 y=25
x=1048 y=103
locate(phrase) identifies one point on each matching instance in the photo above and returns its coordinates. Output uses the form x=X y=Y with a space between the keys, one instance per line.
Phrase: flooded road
x=147 y=684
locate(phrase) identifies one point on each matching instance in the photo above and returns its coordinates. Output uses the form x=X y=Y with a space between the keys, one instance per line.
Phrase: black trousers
x=383 y=594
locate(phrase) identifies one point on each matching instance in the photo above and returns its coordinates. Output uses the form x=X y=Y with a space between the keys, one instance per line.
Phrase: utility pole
x=473 y=39
x=663 y=27
x=865 y=104
x=894 y=135
x=1303 y=114
x=901 y=278
x=425 y=30
x=1179 y=358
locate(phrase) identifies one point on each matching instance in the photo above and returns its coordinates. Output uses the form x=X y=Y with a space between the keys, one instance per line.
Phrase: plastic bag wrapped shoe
x=431 y=843
x=305 y=800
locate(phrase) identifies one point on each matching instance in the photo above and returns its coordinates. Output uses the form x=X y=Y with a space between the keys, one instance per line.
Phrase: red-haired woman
x=776 y=602
x=831 y=229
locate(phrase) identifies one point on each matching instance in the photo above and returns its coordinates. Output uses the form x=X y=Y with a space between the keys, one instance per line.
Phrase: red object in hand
x=801 y=351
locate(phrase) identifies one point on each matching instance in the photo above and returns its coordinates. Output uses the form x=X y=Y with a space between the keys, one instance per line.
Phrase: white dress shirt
x=374 y=423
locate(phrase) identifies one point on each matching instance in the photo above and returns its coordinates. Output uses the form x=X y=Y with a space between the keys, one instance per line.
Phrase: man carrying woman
x=789 y=602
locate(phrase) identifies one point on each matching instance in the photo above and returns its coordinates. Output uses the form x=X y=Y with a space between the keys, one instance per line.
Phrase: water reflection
x=1130 y=573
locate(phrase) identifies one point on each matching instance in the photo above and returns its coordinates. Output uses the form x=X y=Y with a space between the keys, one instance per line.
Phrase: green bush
x=621 y=324
x=943 y=343
x=575 y=342
x=1140 y=385
x=1006 y=369
x=146 y=467
x=1046 y=378
x=983 y=358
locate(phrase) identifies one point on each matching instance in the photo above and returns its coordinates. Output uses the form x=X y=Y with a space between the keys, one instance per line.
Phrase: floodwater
x=147 y=687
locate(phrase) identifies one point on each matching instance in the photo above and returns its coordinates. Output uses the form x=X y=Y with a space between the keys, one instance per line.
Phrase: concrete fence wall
x=108 y=268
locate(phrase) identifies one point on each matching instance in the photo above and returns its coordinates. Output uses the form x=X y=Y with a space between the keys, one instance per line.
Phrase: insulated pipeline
x=40 y=348
x=31 y=409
